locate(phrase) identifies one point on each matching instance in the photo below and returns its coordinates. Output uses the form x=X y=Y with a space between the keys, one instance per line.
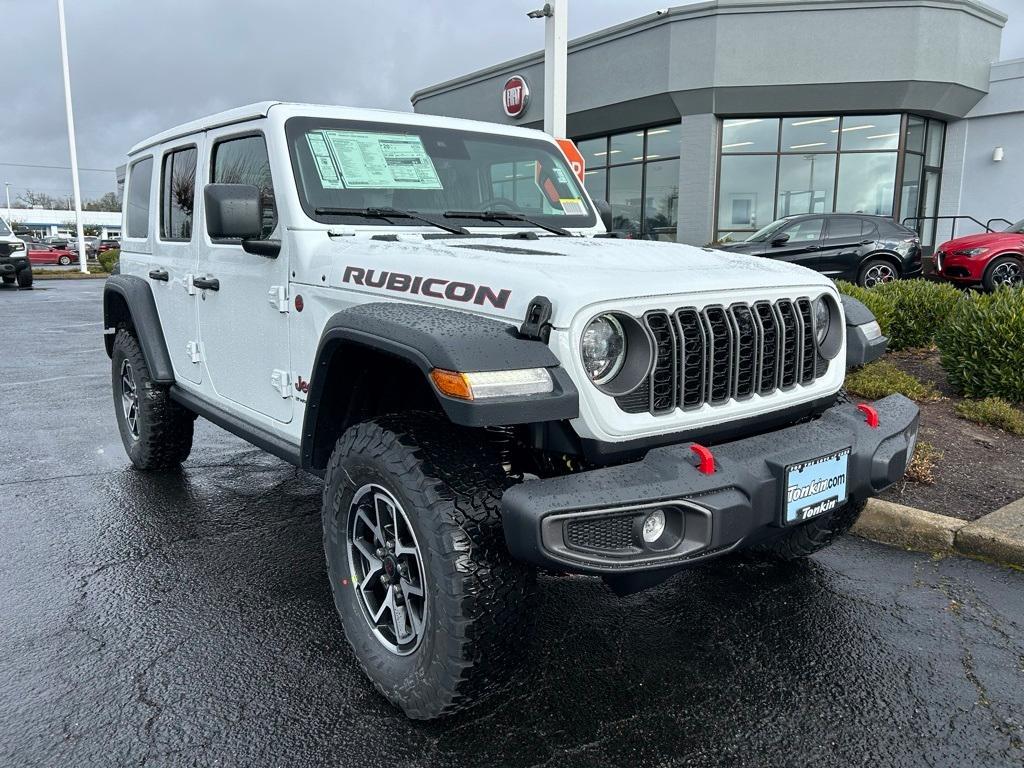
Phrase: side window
x=805 y=231
x=177 y=194
x=245 y=161
x=844 y=228
x=138 y=198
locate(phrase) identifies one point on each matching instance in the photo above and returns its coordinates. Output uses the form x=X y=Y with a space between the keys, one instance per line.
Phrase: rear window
x=845 y=227
x=139 y=182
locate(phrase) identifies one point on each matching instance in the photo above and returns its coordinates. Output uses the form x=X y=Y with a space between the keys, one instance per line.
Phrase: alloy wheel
x=130 y=399
x=1007 y=274
x=387 y=569
x=877 y=274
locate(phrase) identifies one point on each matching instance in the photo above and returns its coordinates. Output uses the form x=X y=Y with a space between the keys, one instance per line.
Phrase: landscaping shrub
x=882 y=378
x=108 y=259
x=995 y=412
x=909 y=311
x=981 y=345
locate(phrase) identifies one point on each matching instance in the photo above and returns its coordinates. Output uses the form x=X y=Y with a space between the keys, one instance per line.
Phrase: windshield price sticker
x=325 y=167
x=572 y=206
x=382 y=160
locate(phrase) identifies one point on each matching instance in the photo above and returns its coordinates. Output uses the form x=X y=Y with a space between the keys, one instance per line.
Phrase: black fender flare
x=860 y=350
x=137 y=297
x=434 y=337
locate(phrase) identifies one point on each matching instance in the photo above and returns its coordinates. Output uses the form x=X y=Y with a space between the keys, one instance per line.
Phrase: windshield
x=765 y=232
x=1018 y=228
x=4 y=229
x=344 y=166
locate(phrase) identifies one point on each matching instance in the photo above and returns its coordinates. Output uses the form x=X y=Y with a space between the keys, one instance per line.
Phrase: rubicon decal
x=434 y=287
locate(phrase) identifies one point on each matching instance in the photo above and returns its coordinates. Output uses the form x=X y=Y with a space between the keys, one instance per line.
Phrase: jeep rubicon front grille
x=718 y=353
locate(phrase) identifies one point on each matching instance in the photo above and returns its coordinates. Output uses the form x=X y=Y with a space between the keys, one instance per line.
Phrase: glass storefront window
x=806 y=184
x=746 y=191
x=870 y=132
x=867 y=181
x=594 y=151
x=663 y=142
x=910 y=192
x=626 y=148
x=595 y=181
x=625 y=193
x=915 y=134
x=810 y=134
x=757 y=134
x=661 y=200
x=933 y=154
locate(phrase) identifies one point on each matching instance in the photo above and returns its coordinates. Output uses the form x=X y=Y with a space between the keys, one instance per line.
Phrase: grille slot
x=607 y=534
x=712 y=355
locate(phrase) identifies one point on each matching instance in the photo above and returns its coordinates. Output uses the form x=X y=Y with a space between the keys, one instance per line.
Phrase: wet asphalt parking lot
x=185 y=619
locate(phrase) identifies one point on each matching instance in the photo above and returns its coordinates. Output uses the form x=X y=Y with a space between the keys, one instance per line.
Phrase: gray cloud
x=139 y=66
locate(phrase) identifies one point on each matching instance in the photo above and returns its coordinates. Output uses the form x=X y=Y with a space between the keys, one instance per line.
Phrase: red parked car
x=993 y=259
x=39 y=253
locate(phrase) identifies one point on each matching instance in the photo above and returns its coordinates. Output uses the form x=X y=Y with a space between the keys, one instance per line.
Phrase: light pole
x=556 y=42
x=71 y=136
x=7 y=189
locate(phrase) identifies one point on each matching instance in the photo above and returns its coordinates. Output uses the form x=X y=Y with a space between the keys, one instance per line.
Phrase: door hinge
x=282 y=382
x=194 y=350
x=189 y=288
x=278 y=297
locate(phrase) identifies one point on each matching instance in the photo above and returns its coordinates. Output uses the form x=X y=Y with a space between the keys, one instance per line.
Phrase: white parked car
x=14 y=263
x=430 y=314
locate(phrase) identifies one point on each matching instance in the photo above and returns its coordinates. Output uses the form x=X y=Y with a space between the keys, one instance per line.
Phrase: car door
x=840 y=250
x=243 y=320
x=797 y=243
x=173 y=263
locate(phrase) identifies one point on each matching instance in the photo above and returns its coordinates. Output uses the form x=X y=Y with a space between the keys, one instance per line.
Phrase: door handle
x=813 y=247
x=866 y=242
x=206 y=283
x=159 y=274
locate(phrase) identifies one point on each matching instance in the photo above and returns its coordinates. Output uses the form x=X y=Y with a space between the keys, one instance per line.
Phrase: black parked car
x=856 y=247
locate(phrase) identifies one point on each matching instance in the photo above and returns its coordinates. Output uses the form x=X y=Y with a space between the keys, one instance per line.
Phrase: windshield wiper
x=393 y=213
x=500 y=216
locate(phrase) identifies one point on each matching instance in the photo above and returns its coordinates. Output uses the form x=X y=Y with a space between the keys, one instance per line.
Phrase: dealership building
x=711 y=120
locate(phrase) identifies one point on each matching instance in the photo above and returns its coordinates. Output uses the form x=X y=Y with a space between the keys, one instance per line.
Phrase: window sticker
x=560 y=175
x=382 y=160
x=573 y=206
x=329 y=178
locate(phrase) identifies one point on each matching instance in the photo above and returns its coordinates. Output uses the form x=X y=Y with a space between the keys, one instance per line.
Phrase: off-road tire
x=9 y=279
x=478 y=617
x=987 y=279
x=25 y=278
x=810 y=537
x=165 y=428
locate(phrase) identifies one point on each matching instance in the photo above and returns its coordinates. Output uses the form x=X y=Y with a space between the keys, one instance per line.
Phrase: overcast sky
x=140 y=66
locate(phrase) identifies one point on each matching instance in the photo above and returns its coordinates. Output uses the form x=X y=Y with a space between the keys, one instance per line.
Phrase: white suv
x=430 y=314
x=14 y=263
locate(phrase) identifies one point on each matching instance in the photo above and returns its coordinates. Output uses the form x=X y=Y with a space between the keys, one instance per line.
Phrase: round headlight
x=822 y=319
x=604 y=348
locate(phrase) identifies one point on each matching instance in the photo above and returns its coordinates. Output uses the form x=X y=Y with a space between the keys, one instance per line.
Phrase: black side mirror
x=780 y=239
x=604 y=210
x=235 y=212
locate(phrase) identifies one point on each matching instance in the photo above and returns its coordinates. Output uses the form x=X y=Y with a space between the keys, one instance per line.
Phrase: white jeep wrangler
x=430 y=314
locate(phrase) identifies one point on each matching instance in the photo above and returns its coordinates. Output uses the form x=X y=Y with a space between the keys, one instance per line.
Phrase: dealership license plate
x=815 y=487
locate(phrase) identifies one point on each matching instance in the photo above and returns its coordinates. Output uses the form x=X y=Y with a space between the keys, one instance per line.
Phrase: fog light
x=654 y=526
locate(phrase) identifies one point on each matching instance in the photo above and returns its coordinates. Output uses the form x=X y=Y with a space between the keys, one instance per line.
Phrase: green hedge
x=981 y=344
x=109 y=258
x=909 y=311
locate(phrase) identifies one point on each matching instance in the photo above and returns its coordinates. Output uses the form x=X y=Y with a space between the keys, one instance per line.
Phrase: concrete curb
x=997 y=536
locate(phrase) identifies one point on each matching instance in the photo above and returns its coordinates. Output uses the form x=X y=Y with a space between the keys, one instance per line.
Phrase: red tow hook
x=870 y=415
x=706 y=460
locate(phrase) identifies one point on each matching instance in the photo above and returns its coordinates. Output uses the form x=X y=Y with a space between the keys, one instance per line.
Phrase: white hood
x=571 y=272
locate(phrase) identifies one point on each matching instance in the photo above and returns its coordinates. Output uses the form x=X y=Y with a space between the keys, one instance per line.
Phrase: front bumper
x=590 y=522
x=961 y=269
x=10 y=265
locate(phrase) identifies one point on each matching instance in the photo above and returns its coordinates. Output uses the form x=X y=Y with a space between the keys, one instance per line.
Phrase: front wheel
x=1004 y=272
x=807 y=538
x=877 y=271
x=25 y=278
x=434 y=607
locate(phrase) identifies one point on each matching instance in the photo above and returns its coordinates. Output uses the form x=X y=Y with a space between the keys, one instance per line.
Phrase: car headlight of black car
x=617 y=352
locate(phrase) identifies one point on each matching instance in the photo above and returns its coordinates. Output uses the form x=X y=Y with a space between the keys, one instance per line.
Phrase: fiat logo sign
x=515 y=96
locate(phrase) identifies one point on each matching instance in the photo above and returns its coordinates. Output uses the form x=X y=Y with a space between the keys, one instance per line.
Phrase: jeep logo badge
x=515 y=96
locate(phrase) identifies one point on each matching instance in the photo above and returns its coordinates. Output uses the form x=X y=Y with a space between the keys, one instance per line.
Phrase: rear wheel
x=64 y=260
x=434 y=607
x=155 y=430
x=1004 y=272
x=877 y=271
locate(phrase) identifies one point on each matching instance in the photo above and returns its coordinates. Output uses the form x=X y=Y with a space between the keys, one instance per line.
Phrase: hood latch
x=537 y=324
